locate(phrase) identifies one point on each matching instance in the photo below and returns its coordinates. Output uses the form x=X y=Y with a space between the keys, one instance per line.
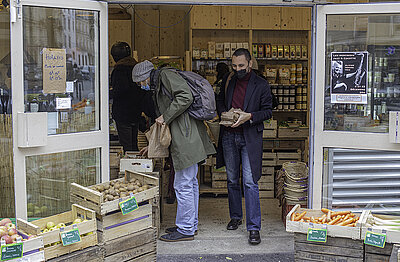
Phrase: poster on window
x=54 y=71
x=349 y=77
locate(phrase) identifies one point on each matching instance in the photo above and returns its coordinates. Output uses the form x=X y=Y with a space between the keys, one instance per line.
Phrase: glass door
x=60 y=101
x=357 y=51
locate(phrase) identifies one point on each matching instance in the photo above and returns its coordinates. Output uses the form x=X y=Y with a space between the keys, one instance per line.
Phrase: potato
x=106 y=186
x=130 y=187
x=100 y=188
x=112 y=183
x=106 y=191
x=145 y=187
x=140 y=189
x=110 y=197
x=116 y=186
x=123 y=195
x=123 y=189
x=133 y=180
x=117 y=191
x=135 y=187
x=113 y=193
x=135 y=191
x=116 y=197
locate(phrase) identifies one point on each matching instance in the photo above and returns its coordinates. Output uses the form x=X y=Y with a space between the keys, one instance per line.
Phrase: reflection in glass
x=7 y=208
x=379 y=35
x=48 y=179
x=76 y=32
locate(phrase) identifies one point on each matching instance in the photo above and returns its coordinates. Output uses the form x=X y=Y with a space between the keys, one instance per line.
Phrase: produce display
x=329 y=217
x=118 y=189
x=385 y=222
x=9 y=233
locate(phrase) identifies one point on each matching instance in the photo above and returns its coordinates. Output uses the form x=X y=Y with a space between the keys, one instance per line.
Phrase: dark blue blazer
x=258 y=101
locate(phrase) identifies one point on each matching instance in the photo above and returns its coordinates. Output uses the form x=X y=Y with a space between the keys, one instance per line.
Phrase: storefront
x=51 y=137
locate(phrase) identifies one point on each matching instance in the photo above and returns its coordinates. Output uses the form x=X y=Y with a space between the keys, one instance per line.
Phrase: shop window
x=362 y=72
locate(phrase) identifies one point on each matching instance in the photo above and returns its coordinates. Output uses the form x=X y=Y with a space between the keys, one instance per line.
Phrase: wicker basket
x=296 y=182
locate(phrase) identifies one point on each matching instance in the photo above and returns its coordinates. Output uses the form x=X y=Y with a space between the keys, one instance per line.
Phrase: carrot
x=313 y=220
x=325 y=210
x=302 y=220
x=341 y=213
x=346 y=217
x=329 y=217
x=300 y=216
x=292 y=217
x=322 y=217
x=346 y=222
x=324 y=220
x=350 y=225
x=334 y=221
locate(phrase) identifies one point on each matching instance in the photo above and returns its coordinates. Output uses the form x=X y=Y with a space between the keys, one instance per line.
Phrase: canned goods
x=285 y=107
x=286 y=99
x=292 y=90
x=280 y=107
x=280 y=99
x=292 y=107
x=280 y=90
x=292 y=99
x=304 y=98
x=304 y=90
x=299 y=98
x=286 y=90
x=304 y=106
x=298 y=106
x=298 y=90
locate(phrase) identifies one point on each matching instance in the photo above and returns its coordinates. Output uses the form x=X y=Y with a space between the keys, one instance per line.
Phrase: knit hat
x=142 y=71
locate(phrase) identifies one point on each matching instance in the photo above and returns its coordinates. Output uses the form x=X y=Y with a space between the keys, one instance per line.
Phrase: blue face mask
x=146 y=87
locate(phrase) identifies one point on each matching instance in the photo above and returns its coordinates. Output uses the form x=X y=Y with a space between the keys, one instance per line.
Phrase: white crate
x=136 y=165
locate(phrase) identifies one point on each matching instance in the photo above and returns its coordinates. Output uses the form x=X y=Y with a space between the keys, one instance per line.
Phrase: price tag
x=11 y=251
x=70 y=237
x=317 y=235
x=375 y=239
x=128 y=205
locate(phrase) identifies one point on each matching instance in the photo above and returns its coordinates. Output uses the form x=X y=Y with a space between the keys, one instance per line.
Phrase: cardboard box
x=227 y=50
x=274 y=51
x=254 y=50
x=280 y=51
x=211 y=50
x=260 y=50
x=233 y=48
x=268 y=50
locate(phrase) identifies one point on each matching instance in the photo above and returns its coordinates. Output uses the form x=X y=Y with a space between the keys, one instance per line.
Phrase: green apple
x=50 y=225
x=60 y=225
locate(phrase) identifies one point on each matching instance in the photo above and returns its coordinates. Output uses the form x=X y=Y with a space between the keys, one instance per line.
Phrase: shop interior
x=197 y=38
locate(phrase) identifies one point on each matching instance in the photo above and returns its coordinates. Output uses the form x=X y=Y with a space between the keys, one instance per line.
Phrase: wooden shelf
x=281 y=59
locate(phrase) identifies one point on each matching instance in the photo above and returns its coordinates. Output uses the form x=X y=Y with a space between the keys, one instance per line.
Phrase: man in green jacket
x=190 y=143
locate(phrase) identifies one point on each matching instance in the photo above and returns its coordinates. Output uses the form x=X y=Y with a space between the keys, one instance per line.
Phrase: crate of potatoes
x=104 y=199
x=80 y=222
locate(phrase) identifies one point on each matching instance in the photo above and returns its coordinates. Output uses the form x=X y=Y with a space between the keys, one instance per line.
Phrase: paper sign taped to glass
x=394 y=127
x=349 y=77
x=54 y=71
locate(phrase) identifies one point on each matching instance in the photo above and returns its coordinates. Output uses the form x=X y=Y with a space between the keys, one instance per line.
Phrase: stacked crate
x=287 y=155
x=116 y=153
x=266 y=182
x=219 y=178
x=128 y=237
x=270 y=129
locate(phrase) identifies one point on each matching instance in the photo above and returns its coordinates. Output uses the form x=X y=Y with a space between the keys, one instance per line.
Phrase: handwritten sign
x=70 y=237
x=54 y=71
x=375 y=239
x=63 y=103
x=11 y=251
x=128 y=205
x=317 y=235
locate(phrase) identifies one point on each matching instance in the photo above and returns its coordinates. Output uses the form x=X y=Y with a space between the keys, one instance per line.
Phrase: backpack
x=203 y=106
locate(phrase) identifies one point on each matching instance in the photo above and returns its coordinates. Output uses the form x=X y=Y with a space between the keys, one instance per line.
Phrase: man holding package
x=248 y=98
x=190 y=143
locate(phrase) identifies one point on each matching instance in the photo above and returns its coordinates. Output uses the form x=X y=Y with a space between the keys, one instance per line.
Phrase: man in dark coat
x=242 y=142
x=129 y=100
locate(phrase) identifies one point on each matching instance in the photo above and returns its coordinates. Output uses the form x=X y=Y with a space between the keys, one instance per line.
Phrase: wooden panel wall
x=233 y=17
x=147 y=38
x=296 y=18
x=266 y=17
x=172 y=39
x=119 y=31
x=206 y=17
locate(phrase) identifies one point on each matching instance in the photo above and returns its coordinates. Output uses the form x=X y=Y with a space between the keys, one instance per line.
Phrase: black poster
x=349 y=77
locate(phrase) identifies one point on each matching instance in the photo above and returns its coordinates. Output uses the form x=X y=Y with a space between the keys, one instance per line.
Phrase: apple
x=10 y=225
x=12 y=231
x=60 y=225
x=7 y=238
x=14 y=237
x=50 y=225
x=5 y=221
x=3 y=231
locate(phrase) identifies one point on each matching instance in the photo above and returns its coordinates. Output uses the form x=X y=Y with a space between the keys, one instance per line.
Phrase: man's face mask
x=145 y=85
x=241 y=73
x=240 y=66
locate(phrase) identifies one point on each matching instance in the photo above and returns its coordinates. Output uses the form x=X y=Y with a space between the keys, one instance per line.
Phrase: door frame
x=337 y=139
x=62 y=142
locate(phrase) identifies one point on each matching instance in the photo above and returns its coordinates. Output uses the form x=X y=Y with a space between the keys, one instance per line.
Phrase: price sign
x=11 y=251
x=375 y=239
x=70 y=237
x=128 y=205
x=317 y=235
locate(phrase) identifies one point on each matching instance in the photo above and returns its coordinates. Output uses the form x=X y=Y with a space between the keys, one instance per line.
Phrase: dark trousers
x=127 y=134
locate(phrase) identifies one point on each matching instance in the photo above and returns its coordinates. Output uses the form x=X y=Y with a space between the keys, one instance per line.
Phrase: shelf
x=281 y=59
x=211 y=59
x=288 y=111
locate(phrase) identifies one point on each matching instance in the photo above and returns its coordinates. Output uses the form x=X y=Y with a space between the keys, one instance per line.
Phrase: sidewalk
x=215 y=243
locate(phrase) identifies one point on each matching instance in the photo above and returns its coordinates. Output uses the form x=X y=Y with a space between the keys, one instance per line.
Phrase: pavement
x=215 y=243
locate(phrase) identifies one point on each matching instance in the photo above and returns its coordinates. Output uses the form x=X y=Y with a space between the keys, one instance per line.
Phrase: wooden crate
x=267 y=170
x=141 y=246
x=52 y=240
x=290 y=132
x=269 y=159
x=286 y=208
x=269 y=133
x=333 y=231
x=266 y=186
x=377 y=254
x=219 y=184
x=266 y=193
x=92 y=199
x=33 y=249
x=219 y=176
x=90 y=254
x=335 y=249
x=136 y=164
x=114 y=159
x=117 y=149
x=270 y=124
x=266 y=179
x=282 y=157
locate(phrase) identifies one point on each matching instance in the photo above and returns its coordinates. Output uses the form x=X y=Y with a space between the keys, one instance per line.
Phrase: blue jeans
x=235 y=151
x=187 y=197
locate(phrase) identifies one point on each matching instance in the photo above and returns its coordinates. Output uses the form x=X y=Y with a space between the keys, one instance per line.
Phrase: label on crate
x=70 y=237
x=128 y=205
x=375 y=239
x=317 y=235
x=11 y=251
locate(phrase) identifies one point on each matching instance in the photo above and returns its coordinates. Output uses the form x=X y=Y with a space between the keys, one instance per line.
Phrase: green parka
x=190 y=142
